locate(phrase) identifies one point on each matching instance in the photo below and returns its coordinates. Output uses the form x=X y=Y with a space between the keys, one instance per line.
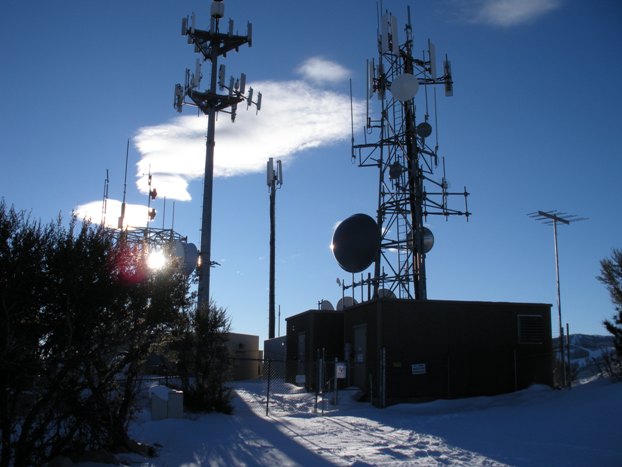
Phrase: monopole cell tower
x=210 y=45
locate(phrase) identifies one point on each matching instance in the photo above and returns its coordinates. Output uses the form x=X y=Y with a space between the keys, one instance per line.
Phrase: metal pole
x=268 y=388
x=559 y=308
x=272 y=255
x=206 y=222
x=568 y=354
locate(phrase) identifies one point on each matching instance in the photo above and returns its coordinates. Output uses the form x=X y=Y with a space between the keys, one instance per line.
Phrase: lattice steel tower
x=406 y=156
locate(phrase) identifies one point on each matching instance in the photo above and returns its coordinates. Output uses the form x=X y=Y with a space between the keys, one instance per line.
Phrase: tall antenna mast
x=121 y=221
x=105 y=202
x=275 y=181
x=553 y=218
x=212 y=44
x=408 y=192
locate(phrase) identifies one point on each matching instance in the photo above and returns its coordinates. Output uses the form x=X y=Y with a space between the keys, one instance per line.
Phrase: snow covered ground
x=535 y=427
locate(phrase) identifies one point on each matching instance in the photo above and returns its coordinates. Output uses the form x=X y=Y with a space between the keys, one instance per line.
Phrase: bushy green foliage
x=79 y=313
x=203 y=360
x=611 y=276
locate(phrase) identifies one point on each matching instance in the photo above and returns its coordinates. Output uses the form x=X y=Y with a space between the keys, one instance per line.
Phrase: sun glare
x=156 y=259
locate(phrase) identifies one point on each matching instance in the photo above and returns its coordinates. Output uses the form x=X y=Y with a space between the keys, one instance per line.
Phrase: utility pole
x=553 y=217
x=212 y=44
x=275 y=181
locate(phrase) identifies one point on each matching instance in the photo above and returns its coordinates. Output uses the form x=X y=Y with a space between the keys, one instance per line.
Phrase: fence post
x=383 y=382
x=268 y=388
x=335 y=378
x=515 y=370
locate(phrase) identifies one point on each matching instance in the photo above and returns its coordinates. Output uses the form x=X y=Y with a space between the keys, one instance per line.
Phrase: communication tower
x=210 y=45
x=400 y=144
x=146 y=240
x=275 y=181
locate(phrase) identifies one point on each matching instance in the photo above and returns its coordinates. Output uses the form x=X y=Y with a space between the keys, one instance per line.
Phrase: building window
x=530 y=329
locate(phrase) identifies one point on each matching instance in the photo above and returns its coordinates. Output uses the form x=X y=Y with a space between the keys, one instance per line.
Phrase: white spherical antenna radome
x=325 y=305
x=404 y=87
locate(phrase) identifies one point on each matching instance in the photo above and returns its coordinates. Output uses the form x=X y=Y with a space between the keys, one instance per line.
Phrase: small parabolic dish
x=424 y=129
x=356 y=242
x=404 y=87
x=345 y=302
x=385 y=293
x=428 y=240
x=188 y=256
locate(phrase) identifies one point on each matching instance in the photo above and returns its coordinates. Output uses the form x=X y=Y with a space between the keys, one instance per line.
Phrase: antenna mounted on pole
x=275 y=181
x=211 y=44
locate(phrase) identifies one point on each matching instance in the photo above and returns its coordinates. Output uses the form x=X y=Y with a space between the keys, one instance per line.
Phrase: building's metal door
x=360 y=357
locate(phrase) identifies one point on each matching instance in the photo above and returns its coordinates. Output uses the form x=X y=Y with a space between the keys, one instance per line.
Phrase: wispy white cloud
x=135 y=214
x=295 y=115
x=506 y=12
x=320 y=70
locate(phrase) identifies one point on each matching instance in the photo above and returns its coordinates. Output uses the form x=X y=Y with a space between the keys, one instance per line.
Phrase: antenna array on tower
x=406 y=157
x=211 y=44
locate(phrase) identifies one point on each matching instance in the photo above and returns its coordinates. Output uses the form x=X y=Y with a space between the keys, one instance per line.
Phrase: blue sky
x=533 y=125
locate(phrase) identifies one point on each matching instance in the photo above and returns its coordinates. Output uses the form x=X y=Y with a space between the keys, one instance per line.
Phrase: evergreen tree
x=611 y=276
x=203 y=360
x=79 y=315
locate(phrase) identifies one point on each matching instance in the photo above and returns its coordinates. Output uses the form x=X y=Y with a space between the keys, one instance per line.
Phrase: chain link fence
x=278 y=393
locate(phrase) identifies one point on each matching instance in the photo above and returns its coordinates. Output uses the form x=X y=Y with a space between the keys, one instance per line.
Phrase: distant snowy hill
x=585 y=350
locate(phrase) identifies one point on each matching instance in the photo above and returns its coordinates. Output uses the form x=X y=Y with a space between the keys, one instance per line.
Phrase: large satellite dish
x=345 y=302
x=404 y=87
x=356 y=242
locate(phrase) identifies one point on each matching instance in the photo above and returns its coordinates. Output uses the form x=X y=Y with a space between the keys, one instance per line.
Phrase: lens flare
x=156 y=259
